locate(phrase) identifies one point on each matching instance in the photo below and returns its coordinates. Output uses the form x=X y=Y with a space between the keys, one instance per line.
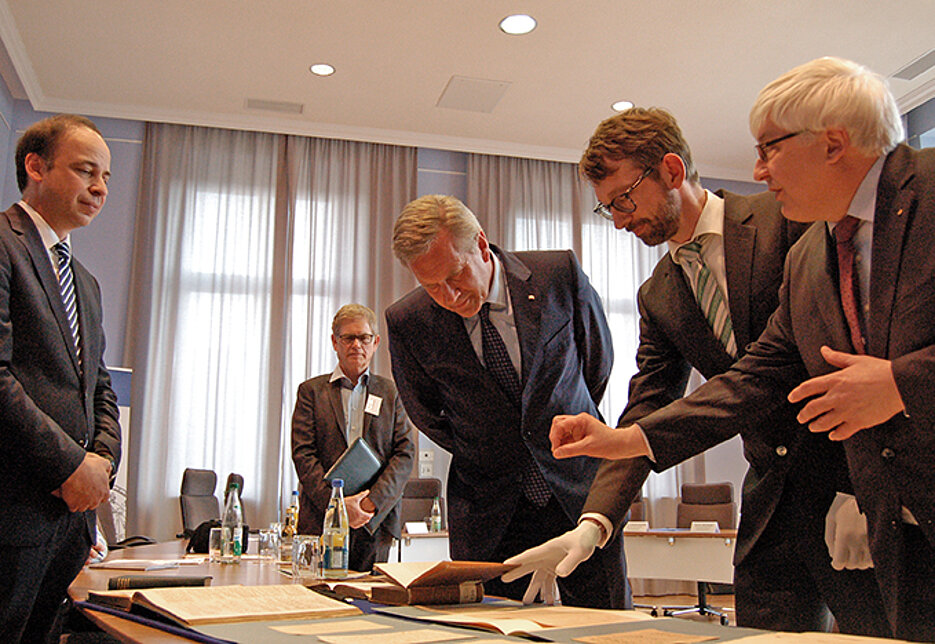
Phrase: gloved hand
x=558 y=556
x=846 y=534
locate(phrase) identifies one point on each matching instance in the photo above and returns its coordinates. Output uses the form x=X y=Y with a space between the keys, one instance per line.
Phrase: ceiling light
x=518 y=24
x=620 y=106
x=321 y=69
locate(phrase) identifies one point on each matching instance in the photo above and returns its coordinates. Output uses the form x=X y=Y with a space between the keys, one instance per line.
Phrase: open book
x=434 y=582
x=190 y=606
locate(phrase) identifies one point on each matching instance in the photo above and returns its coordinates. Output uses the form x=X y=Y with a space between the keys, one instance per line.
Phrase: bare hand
x=360 y=509
x=585 y=435
x=88 y=486
x=861 y=394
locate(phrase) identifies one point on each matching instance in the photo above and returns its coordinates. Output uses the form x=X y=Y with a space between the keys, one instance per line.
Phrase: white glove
x=846 y=535
x=558 y=556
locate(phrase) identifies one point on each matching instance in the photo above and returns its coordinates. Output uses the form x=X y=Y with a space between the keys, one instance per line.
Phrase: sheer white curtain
x=224 y=297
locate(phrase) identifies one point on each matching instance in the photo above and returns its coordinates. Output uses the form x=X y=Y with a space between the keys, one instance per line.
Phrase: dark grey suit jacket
x=566 y=354
x=674 y=337
x=892 y=464
x=319 y=437
x=50 y=413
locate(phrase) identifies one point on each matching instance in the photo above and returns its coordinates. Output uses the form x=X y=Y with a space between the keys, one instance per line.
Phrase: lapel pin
x=899 y=212
x=532 y=297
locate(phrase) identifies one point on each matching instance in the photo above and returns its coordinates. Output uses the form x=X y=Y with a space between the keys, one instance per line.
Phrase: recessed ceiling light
x=518 y=24
x=619 y=106
x=321 y=69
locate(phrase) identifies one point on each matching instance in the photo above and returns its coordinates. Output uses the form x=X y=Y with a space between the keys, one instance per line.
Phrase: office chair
x=418 y=496
x=197 y=500
x=704 y=502
x=233 y=478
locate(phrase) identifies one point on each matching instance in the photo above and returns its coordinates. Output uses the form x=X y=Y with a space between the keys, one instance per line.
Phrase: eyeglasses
x=348 y=339
x=763 y=148
x=622 y=202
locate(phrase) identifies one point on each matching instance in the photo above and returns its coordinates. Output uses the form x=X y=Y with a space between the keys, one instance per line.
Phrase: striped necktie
x=497 y=360
x=709 y=296
x=66 y=282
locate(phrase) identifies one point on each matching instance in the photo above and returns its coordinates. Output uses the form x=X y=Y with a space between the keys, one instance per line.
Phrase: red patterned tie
x=844 y=236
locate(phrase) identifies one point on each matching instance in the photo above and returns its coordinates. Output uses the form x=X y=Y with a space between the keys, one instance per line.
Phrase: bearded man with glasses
x=333 y=410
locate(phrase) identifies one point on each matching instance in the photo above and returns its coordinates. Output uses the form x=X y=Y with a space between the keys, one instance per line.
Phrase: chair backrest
x=636 y=508
x=197 y=498
x=418 y=496
x=233 y=477
x=707 y=502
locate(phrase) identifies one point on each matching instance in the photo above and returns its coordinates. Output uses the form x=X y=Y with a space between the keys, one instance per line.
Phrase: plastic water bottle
x=233 y=522
x=436 y=516
x=335 y=534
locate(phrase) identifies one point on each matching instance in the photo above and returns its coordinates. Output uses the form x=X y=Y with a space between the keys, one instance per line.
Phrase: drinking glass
x=306 y=558
x=217 y=543
x=268 y=545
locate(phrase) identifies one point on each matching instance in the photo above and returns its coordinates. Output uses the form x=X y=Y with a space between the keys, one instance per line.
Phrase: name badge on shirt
x=373 y=405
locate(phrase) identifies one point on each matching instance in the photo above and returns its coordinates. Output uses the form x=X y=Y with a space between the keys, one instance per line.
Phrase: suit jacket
x=674 y=337
x=566 y=356
x=319 y=437
x=51 y=413
x=892 y=464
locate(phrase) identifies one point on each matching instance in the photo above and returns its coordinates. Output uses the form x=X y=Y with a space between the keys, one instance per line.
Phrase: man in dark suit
x=489 y=348
x=334 y=409
x=853 y=334
x=57 y=409
x=781 y=583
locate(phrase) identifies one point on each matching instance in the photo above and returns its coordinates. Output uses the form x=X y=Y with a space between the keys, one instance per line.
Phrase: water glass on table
x=306 y=558
x=218 y=538
x=268 y=544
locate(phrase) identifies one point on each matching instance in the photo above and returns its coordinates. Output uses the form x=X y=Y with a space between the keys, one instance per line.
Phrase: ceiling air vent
x=274 y=106
x=472 y=94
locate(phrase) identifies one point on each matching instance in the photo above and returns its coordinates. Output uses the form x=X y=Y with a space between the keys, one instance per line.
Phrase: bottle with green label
x=233 y=522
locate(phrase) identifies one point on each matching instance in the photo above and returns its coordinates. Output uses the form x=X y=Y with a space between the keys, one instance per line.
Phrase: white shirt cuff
x=604 y=521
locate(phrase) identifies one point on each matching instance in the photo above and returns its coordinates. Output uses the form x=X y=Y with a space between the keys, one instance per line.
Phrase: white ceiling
x=199 y=61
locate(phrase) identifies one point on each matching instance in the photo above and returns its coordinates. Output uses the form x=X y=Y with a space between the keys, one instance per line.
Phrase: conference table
x=254 y=571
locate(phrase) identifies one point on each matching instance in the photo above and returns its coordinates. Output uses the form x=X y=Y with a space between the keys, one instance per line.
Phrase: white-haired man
x=853 y=334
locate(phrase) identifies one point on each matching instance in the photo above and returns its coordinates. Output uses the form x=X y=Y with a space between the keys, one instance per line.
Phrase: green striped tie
x=709 y=296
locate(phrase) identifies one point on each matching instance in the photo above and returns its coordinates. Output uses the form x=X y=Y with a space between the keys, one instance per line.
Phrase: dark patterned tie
x=844 y=237
x=66 y=282
x=497 y=360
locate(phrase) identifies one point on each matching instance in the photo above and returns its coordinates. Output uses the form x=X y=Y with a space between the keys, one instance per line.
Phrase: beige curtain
x=246 y=244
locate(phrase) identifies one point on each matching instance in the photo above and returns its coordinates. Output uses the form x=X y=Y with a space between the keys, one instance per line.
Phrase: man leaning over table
x=708 y=298
x=334 y=409
x=487 y=349
x=853 y=337
x=58 y=411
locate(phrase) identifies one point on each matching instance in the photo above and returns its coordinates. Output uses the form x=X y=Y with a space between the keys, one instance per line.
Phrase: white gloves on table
x=556 y=557
x=846 y=535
